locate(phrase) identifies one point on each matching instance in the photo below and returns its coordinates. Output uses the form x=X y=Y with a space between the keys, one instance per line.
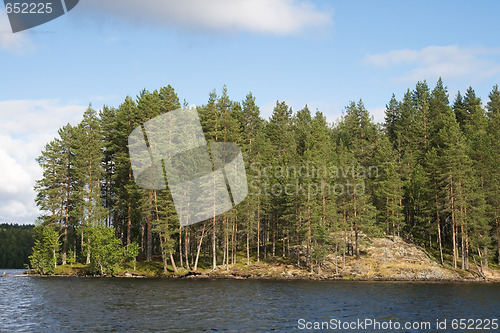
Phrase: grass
x=75 y=269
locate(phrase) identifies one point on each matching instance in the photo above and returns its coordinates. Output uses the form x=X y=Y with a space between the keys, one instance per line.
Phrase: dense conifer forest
x=429 y=174
x=16 y=242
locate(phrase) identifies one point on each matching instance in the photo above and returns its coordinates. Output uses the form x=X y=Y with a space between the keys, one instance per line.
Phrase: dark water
x=34 y=304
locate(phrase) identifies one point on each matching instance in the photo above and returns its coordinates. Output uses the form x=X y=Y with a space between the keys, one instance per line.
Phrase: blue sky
x=320 y=53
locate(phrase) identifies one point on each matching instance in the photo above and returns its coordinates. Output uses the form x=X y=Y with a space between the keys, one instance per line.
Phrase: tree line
x=16 y=242
x=429 y=173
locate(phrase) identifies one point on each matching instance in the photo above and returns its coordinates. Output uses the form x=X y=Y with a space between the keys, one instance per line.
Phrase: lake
x=39 y=304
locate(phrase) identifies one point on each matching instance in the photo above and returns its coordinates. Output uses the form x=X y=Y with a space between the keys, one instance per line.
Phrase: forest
x=429 y=174
x=16 y=242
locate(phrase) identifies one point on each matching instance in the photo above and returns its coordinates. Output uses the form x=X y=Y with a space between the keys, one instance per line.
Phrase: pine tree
x=126 y=208
x=251 y=142
x=359 y=132
x=56 y=190
x=392 y=118
x=493 y=176
x=69 y=182
x=108 y=117
x=50 y=189
x=167 y=226
x=388 y=188
x=479 y=150
x=319 y=155
x=421 y=103
x=433 y=168
x=454 y=167
x=460 y=110
x=210 y=122
x=279 y=131
x=89 y=173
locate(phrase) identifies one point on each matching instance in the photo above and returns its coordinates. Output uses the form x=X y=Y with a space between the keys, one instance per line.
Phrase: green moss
x=75 y=269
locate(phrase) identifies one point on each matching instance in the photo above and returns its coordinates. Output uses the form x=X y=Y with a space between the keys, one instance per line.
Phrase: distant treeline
x=16 y=242
x=430 y=174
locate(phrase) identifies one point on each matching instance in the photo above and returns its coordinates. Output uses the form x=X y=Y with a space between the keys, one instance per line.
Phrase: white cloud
x=266 y=109
x=280 y=17
x=13 y=42
x=449 y=62
x=378 y=114
x=25 y=127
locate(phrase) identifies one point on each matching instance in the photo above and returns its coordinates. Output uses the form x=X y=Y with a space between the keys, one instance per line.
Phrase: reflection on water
x=36 y=304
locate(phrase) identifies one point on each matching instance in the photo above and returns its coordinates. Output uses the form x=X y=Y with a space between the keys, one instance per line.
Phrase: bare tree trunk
x=129 y=223
x=234 y=240
x=480 y=261
x=172 y=261
x=248 y=234
x=214 y=250
x=149 y=249
x=485 y=249
x=66 y=222
x=497 y=223
x=163 y=255
x=199 y=248
x=299 y=226
x=167 y=239
x=225 y=247
x=129 y=217
x=309 y=230
x=231 y=244
x=214 y=262
x=438 y=223
x=453 y=225
x=88 y=251
x=186 y=246
x=65 y=243
x=283 y=235
x=397 y=214
x=356 y=227
x=462 y=238
x=142 y=238
x=81 y=241
x=266 y=235
x=454 y=236
x=258 y=228
x=274 y=226
x=345 y=241
x=336 y=258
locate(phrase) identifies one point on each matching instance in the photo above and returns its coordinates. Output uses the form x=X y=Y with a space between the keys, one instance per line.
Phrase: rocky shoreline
x=382 y=259
x=197 y=275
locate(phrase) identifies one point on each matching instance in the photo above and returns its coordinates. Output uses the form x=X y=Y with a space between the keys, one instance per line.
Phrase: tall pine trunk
x=186 y=246
x=248 y=232
x=199 y=248
x=438 y=224
x=258 y=228
x=129 y=211
x=453 y=225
